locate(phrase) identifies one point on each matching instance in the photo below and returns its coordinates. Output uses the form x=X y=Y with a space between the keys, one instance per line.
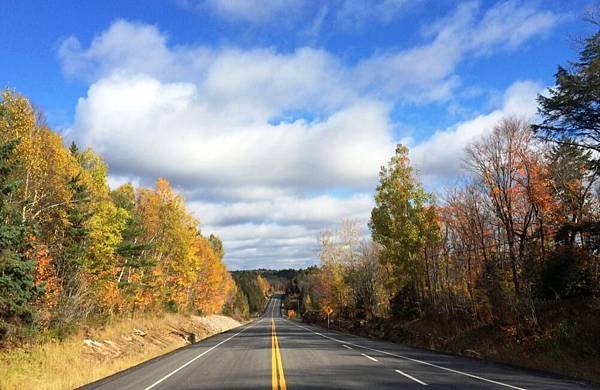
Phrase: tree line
x=72 y=249
x=521 y=228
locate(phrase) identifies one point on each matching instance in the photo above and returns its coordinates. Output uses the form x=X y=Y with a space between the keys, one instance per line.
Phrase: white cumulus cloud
x=441 y=156
x=149 y=128
x=268 y=146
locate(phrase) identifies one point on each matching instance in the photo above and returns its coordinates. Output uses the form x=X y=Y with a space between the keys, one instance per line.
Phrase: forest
x=73 y=251
x=506 y=262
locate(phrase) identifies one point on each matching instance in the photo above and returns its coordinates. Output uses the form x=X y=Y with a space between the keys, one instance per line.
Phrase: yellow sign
x=328 y=310
x=291 y=313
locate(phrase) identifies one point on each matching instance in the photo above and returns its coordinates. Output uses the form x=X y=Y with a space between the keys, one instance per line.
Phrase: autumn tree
x=573 y=178
x=309 y=284
x=171 y=231
x=237 y=305
x=216 y=245
x=132 y=251
x=45 y=165
x=97 y=252
x=254 y=287
x=338 y=249
x=403 y=222
x=511 y=173
x=214 y=284
x=350 y=275
x=46 y=277
x=475 y=271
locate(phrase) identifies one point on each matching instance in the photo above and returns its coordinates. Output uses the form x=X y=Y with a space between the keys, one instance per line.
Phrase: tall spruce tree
x=75 y=240
x=18 y=289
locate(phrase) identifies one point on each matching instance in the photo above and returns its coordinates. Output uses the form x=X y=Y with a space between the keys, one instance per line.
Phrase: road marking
x=274 y=383
x=276 y=363
x=272 y=307
x=197 y=357
x=369 y=357
x=282 y=384
x=411 y=377
x=413 y=360
x=345 y=346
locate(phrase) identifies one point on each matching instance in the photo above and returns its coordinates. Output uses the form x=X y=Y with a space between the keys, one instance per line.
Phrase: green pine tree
x=18 y=290
x=570 y=113
x=76 y=236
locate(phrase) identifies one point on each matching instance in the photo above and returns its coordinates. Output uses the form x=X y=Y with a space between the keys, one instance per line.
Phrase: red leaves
x=45 y=276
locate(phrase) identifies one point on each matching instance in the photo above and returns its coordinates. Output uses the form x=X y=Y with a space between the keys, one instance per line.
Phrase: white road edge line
x=197 y=357
x=345 y=346
x=414 y=360
x=369 y=357
x=411 y=377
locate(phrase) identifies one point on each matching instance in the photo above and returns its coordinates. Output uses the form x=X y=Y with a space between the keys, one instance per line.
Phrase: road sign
x=328 y=310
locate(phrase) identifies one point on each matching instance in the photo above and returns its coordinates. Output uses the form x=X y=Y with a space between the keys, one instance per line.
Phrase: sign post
x=328 y=310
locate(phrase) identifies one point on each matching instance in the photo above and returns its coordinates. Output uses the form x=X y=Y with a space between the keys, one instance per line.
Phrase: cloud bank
x=270 y=147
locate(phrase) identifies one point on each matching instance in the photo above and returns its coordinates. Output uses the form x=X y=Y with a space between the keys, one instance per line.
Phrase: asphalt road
x=277 y=353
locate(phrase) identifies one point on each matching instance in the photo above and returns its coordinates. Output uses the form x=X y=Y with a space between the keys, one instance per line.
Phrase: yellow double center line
x=276 y=365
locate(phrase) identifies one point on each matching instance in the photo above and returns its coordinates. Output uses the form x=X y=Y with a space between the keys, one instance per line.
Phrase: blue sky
x=272 y=117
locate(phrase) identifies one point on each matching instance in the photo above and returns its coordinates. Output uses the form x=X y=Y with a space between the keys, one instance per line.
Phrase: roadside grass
x=92 y=354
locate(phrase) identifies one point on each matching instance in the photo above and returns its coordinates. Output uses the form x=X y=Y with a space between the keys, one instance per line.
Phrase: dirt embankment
x=566 y=342
x=98 y=352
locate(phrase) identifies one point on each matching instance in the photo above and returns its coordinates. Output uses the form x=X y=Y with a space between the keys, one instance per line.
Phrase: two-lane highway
x=277 y=353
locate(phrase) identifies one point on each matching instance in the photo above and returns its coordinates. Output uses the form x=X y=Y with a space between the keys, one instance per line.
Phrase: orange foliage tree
x=101 y=252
